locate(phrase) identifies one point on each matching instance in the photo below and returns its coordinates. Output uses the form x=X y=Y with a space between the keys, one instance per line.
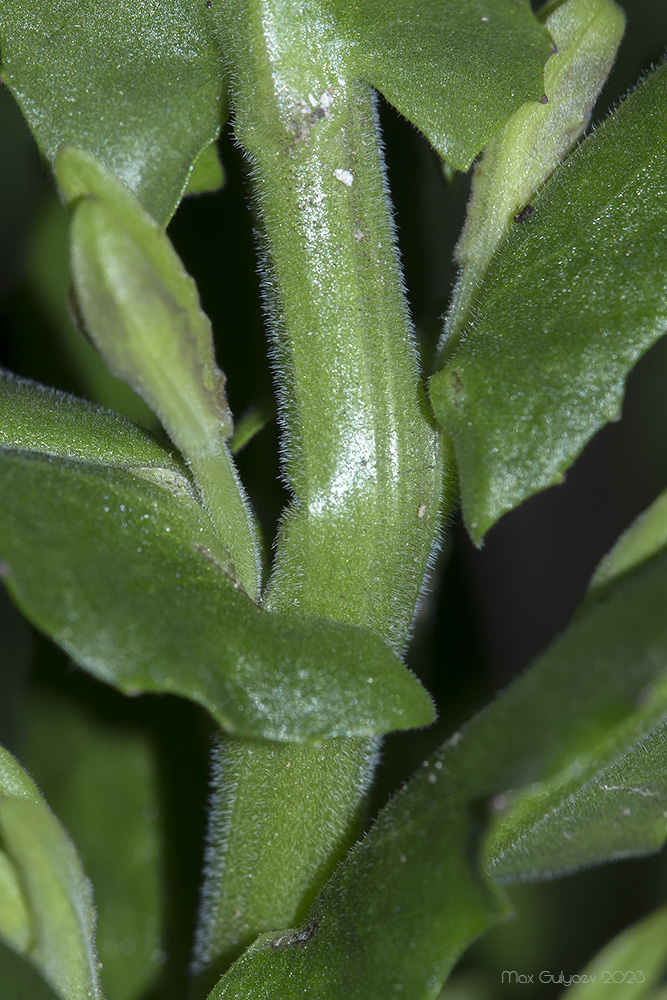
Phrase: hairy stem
x=359 y=450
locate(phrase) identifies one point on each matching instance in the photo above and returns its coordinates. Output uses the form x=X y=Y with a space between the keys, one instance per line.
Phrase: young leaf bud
x=141 y=310
x=524 y=154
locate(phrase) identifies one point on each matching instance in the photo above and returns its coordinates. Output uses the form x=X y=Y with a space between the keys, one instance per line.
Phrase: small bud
x=141 y=309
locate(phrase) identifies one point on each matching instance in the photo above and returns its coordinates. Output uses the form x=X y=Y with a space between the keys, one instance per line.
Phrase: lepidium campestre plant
x=141 y=555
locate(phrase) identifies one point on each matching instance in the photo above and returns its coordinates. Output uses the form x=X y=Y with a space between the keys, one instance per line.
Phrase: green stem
x=266 y=845
x=360 y=452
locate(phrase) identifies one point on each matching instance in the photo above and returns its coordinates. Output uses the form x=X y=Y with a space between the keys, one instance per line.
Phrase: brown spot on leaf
x=299 y=937
x=524 y=213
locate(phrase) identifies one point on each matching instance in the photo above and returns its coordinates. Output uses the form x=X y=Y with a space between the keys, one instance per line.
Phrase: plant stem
x=281 y=818
x=360 y=452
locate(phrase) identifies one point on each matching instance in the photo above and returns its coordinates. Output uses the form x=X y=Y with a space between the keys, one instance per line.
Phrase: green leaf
x=100 y=776
x=645 y=537
x=124 y=575
x=208 y=173
x=520 y=158
x=614 y=806
x=456 y=71
x=142 y=311
x=48 y=280
x=591 y=714
x=629 y=966
x=395 y=916
x=56 y=892
x=573 y=298
x=48 y=422
x=20 y=979
x=140 y=85
x=14 y=912
x=603 y=793
x=250 y=424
